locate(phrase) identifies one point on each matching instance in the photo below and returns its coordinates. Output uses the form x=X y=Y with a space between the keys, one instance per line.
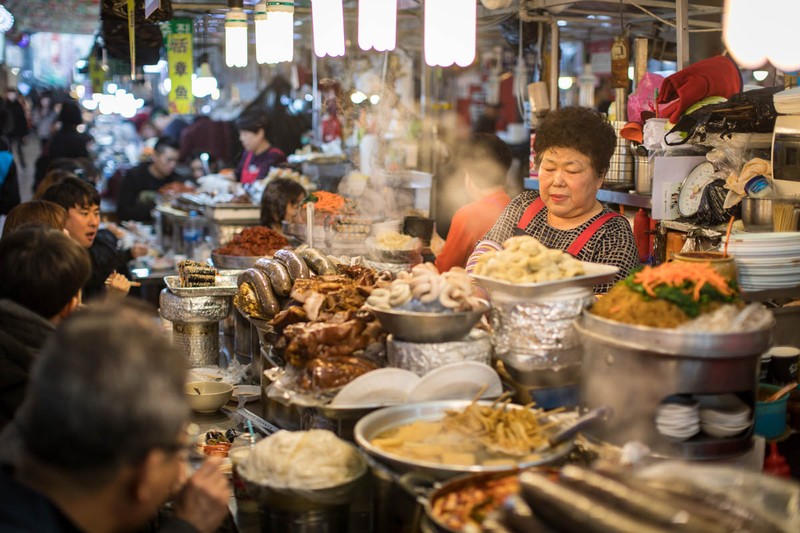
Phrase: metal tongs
x=571 y=430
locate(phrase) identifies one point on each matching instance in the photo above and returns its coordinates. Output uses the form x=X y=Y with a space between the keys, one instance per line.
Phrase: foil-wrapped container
x=536 y=340
x=420 y=358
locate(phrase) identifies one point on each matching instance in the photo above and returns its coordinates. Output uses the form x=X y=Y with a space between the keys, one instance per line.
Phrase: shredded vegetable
x=326 y=202
x=689 y=286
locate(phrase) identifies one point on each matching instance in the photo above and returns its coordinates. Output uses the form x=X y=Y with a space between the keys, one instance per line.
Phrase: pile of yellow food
x=489 y=435
x=668 y=295
x=524 y=259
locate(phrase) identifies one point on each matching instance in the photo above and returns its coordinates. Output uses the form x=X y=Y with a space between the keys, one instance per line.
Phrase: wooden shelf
x=607 y=196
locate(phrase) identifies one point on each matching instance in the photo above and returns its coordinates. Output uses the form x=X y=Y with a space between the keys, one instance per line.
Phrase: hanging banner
x=181 y=66
x=132 y=35
x=96 y=74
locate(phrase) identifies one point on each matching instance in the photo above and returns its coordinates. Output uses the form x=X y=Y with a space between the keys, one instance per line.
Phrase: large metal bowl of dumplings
x=428 y=327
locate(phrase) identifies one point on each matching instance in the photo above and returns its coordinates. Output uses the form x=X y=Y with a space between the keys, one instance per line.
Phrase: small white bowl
x=213 y=395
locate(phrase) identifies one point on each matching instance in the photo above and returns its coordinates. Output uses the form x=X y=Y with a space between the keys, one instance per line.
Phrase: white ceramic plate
x=384 y=386
x=457 y=381
x=206 y=373
x=246 y=392
x=721 y=432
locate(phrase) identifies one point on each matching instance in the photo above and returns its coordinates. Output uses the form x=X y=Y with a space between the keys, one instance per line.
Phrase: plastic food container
x=770 y=416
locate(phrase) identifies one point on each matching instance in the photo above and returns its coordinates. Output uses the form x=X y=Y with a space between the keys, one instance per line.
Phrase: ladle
x=777 y=396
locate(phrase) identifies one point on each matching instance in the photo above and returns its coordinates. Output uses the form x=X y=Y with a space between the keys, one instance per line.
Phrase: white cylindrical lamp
x=377 y=24
x=327 y=18
x=450 y=32
x=759 y=32
x=235 y=35
x=274 y=22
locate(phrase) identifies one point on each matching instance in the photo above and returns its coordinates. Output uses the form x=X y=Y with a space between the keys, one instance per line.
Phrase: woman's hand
x=118 y=285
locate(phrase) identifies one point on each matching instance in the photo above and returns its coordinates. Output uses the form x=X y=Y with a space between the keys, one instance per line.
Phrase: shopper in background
x=169 y=126
x=202 y=164
x=281 y=201
x=17 y=107
x=9 y=183
x=139 y=187
x=484 y=160
x=44 y=116
x=67 y=142
x=100 y=437
x=43 y=272
x=259 y=153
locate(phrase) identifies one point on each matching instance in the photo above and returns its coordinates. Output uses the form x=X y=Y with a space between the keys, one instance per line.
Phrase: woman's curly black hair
x=581 y=129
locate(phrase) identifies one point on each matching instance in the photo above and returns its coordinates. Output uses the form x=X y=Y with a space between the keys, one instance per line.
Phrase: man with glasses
x=102 y=434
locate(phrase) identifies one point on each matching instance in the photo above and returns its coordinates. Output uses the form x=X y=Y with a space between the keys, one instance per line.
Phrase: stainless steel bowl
x=377 y=422
x=757 y=214
x=414 y=326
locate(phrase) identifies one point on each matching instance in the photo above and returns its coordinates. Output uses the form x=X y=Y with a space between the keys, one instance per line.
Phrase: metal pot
x=375 y=423
x=757 y=214
x=633 y=369
x=432 y=522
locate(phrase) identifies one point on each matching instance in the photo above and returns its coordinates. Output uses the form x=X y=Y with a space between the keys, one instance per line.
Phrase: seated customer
x=43 y=271
x=280 y=201
x=82 y=202
x=140 y=185
x=485 y=161
x=100 y=438
x=35 y=213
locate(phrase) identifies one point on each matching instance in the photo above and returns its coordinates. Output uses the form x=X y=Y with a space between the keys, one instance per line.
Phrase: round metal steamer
x=632 y=369
x=195 y=324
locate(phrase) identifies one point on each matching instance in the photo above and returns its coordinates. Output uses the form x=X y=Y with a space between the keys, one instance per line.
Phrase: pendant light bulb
x=377 y=24
x=327 y=19
x=236 y=38
x=759 y=32
x=274 y=23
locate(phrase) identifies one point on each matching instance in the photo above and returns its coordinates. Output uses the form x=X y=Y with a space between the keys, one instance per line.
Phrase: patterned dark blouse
x=613 y=244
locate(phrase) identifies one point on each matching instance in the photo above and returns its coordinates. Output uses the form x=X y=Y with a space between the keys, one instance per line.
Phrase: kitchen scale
x=694 y=185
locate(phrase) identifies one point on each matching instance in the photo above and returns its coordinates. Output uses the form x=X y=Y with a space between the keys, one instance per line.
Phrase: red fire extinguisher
x=641 y=230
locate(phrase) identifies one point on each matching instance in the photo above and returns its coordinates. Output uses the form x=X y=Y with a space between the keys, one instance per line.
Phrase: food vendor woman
x=259 y=155
x=573 y=150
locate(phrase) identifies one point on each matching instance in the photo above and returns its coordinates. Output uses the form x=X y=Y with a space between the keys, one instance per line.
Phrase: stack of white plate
x=766 y=260
x=678 y=421
x=723 y=415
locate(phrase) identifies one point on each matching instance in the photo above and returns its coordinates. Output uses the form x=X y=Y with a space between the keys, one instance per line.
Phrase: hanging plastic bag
x=644 y=98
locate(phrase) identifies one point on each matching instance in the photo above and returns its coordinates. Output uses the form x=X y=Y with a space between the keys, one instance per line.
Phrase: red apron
x=249 y=172
x=579 y=242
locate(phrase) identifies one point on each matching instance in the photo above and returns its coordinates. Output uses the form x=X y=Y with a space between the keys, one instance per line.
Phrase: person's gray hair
x=106 y=390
